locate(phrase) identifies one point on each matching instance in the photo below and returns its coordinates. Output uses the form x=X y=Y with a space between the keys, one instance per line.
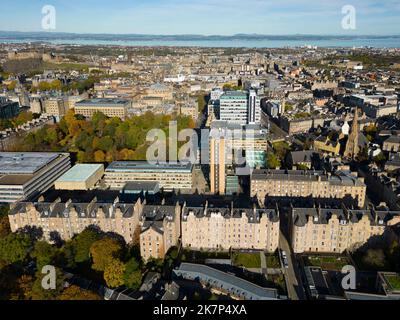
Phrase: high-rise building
x=240 y=107
x=233 y=145
x=217 y=164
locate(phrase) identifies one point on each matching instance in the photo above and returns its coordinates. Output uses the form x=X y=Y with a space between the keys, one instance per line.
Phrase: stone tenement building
x=211 y=228
x=296 y=183
x=160 y=230
x=68 y=213
x=337 y=229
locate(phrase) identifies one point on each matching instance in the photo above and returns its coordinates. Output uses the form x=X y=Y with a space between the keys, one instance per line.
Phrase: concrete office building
x=292 y=183
x=23 y=175
x=109 y=107
x=240 y=107
x=212 y=228
x=80 y=177
x=171 y=176
x=334 y=230
x=8 y=109
x=228 y=140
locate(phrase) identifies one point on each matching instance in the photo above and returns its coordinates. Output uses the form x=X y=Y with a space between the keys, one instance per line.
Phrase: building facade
x=110 y=107
x=228 y=228
x=23 y=175
x=292 y=183
x=160 y=230
x=170 y=176
x=66 y=216
x=240 y=107
x=334 y=230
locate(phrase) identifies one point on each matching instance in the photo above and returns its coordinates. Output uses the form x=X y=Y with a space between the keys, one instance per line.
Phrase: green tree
x=44 y=253
x=272 y=161
x=40 y=293
x=15 y=248
x=375 y=258
x=132 y=275
x=103 y=252
x=82 y=243
x=114 y=273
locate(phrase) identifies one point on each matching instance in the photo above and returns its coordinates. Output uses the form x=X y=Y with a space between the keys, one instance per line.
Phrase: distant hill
x=47 y=36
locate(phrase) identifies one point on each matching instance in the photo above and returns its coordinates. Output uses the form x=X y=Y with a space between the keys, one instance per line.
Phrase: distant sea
x=379 y=42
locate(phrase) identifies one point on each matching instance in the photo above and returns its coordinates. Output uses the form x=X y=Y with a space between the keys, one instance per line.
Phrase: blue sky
x=224 y=17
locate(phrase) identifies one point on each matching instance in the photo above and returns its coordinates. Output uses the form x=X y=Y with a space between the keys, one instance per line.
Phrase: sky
x=206 y=17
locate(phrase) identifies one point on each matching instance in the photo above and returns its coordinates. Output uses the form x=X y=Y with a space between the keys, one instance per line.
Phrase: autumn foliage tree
x=76 y=293
x=103 y=252
x=114 y=273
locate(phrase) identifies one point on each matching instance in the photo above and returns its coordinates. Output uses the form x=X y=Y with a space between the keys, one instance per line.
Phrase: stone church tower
x=352 y=147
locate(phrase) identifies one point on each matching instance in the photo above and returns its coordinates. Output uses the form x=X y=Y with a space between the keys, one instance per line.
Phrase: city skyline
x=211 y=17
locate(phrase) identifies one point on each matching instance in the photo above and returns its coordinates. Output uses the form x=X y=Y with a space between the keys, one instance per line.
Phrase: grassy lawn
x=65 y=66
x=272 y=261
x=394 y=281
x=327 y=263
x=247 y=260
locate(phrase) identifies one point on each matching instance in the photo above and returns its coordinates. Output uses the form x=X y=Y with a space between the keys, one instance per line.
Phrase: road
x=292 y=274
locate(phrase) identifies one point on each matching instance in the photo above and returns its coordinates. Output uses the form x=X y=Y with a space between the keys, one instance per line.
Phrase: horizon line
x=204 y=35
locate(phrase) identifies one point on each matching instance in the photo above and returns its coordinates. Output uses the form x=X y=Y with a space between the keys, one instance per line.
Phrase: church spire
x=352 y=147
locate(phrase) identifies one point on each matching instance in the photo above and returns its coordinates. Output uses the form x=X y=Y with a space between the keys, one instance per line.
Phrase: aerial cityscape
x=181 y=162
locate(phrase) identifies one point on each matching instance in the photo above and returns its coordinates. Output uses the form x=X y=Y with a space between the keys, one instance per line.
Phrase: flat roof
x=102 y=102
x=234 y=94
x=80 y=173
x=15 y=179
x=144 y=166
x=26 y=163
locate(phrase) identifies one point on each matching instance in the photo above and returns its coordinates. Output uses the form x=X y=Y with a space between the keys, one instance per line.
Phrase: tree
x=380 y=158
x=114 y=273
x=375 y=258
x=105 y=143
x=15 y=248
x=132 y=275
x=40 y=293
x=82 y=244
x=99 y=156
x=103 y=252
x=56 y=85
x=5 y=229
x=44 y=253
x=133 y=280
x=76 y=293
x=25 y=284
x=272 y=161
x=12 y=85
